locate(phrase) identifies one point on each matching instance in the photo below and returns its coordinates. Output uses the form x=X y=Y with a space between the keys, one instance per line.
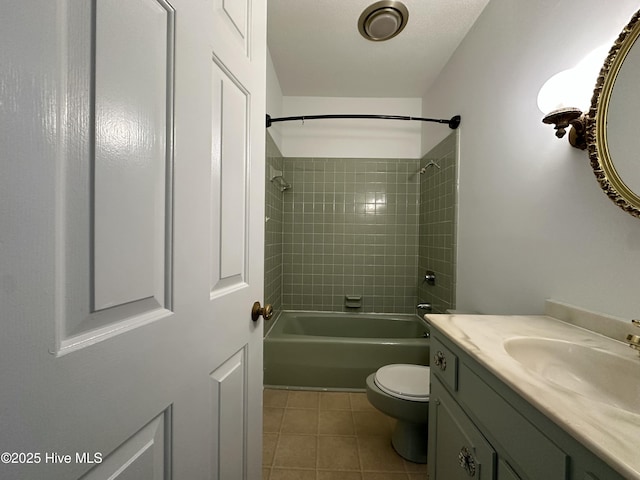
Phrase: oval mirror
x=613 y=135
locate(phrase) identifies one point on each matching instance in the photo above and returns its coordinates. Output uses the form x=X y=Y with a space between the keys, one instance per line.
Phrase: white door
x=131 y=238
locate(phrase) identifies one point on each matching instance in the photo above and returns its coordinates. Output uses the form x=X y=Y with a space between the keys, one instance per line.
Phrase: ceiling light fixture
x=383 y=20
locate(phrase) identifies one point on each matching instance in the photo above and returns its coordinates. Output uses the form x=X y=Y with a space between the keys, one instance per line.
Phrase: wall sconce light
x=565 y=97
x=562 y=118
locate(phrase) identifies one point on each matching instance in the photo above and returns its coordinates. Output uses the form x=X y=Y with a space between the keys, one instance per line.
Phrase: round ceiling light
x=383 y=20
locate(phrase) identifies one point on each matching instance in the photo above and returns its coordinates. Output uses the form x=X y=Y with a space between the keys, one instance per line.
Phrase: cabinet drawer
x=444 y=364
x=528 y=448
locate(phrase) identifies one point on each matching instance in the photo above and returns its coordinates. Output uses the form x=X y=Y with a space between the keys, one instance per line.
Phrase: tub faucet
x=424 y=306
x=430 y=277
x=634 y=340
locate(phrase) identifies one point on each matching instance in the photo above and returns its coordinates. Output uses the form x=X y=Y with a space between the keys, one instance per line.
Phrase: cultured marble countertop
x=611 y=433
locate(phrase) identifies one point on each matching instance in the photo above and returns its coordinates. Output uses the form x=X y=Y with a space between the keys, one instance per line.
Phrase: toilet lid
x=409 y=382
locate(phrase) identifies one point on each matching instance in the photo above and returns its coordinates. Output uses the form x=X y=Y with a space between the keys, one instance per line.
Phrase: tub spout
x=424 y=306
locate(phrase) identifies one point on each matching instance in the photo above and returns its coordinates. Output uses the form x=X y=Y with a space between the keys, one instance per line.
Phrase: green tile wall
x=273 y=231
x=437 y=230
x=350 y=228
x=368 y=227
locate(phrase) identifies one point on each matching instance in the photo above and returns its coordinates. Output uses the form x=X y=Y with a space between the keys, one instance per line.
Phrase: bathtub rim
x=278 y=315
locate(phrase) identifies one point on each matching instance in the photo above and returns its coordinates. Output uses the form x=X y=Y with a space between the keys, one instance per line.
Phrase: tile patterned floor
x=329 y=436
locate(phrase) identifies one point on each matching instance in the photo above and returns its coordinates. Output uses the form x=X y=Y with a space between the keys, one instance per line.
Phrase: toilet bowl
x=402 y=392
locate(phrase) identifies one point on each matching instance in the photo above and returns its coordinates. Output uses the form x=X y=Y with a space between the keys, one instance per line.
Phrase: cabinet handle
x=440 y=360
x=467 y=462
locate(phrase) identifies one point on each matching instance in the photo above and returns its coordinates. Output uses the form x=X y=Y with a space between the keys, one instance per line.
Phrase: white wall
x=350 y=138
x=274 y=99
x=533 y=222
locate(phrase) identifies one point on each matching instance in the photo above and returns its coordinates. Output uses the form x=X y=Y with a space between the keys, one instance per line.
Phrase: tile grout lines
x=364 y=422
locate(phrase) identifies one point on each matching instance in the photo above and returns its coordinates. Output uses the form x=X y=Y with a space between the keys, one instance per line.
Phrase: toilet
x=402 y=392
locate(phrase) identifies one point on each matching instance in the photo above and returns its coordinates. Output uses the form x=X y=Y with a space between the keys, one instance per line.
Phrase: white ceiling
x=317 y=50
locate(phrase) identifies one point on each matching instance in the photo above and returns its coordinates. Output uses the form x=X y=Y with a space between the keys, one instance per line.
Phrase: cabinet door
x=457 y=450
x=505 y=472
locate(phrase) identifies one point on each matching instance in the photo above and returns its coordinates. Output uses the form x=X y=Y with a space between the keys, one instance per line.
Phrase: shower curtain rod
x=453 y=122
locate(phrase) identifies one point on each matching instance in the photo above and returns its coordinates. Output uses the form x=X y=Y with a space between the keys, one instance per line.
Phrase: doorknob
x=257 y=310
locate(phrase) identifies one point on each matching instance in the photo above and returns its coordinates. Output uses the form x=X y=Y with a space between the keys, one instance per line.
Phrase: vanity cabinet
x=481 y=429
x=461 y=451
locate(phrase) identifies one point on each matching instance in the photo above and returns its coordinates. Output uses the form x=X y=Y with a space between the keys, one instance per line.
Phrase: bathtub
x=323 y=350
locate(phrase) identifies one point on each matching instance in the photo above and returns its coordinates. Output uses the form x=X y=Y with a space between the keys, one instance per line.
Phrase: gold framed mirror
x=613 y=134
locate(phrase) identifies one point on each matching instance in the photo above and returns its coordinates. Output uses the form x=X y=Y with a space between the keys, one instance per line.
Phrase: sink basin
x=590 y=372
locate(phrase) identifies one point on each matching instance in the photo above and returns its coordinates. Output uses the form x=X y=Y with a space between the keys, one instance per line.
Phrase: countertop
x=611 y=433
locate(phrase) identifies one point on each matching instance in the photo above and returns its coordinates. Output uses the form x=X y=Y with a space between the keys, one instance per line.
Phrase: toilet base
x=409 y=438
x=410 y=441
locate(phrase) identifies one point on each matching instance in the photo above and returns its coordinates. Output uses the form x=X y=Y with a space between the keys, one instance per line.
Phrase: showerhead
x=430 y=164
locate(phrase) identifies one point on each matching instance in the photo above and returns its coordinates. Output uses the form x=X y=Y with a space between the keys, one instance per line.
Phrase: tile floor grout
x=369 y=439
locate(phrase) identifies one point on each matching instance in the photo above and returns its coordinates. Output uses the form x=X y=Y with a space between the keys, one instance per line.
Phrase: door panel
x=147 y=454
x=115 y=184
x=230 y=415
x=121 y=341
x=231 y=16
x=130 y=161
x=229 y=181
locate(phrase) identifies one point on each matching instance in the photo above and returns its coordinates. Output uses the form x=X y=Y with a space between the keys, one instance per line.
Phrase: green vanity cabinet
x=459 y=449
x=480 y=429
